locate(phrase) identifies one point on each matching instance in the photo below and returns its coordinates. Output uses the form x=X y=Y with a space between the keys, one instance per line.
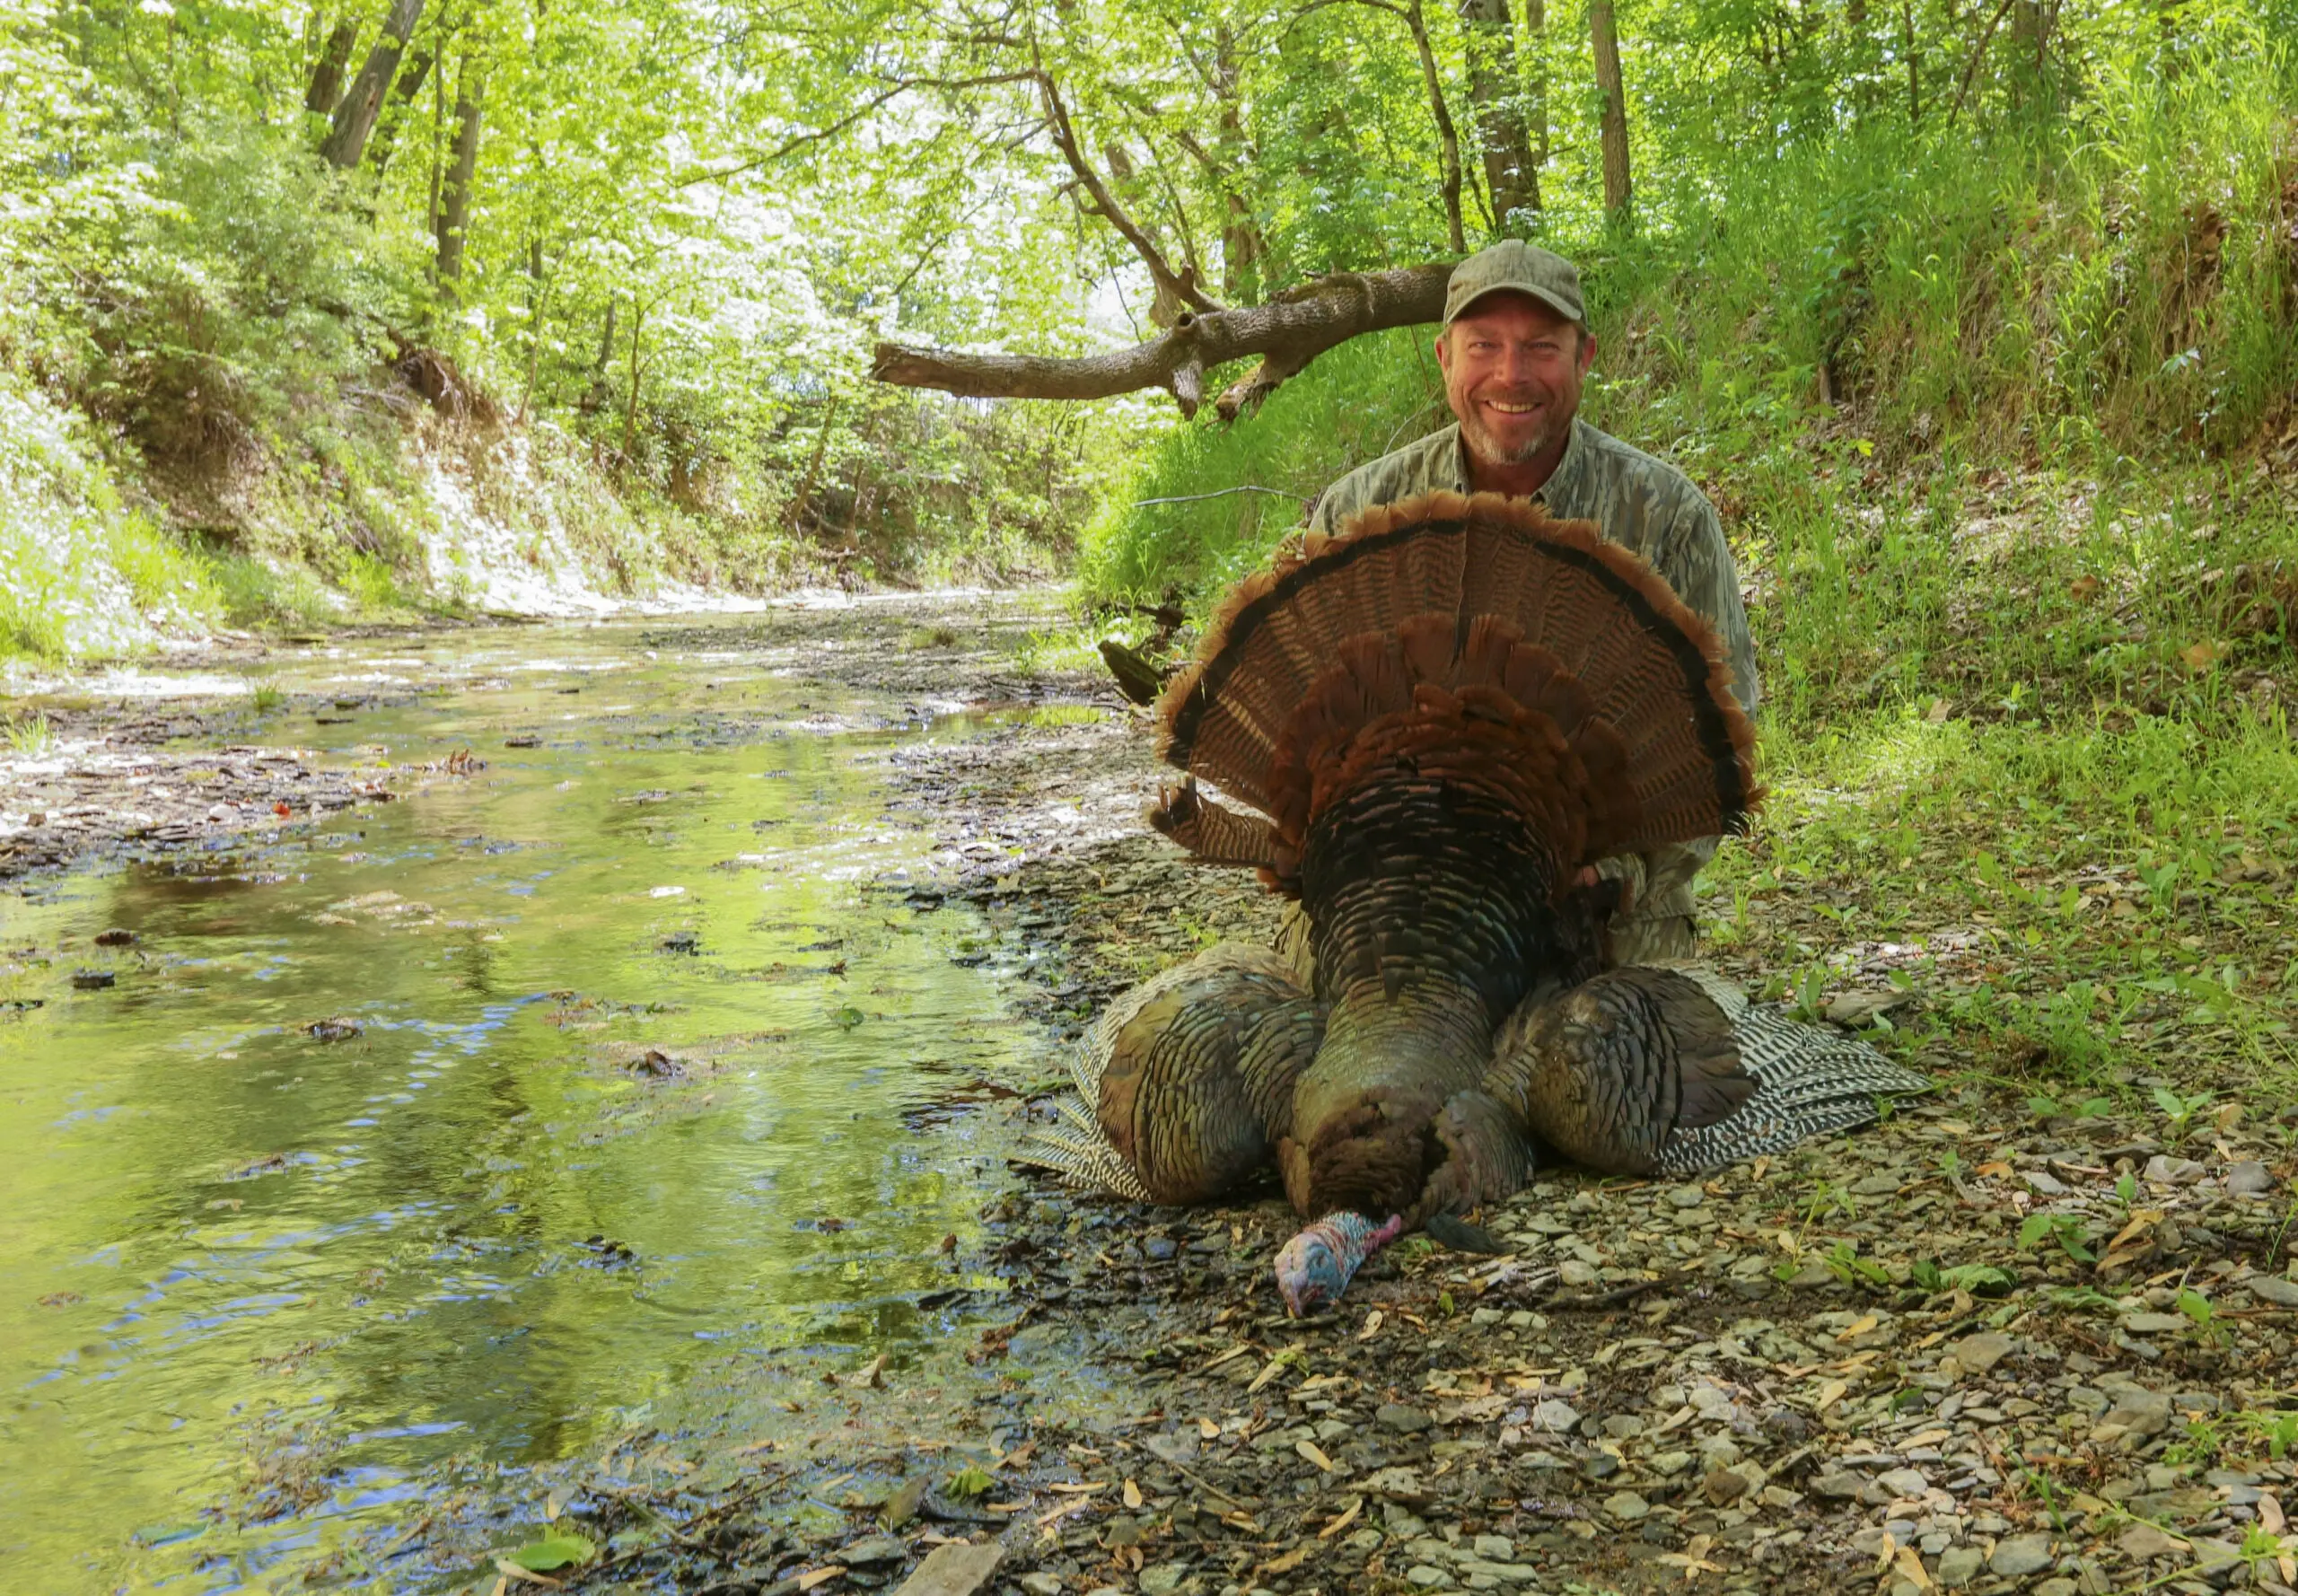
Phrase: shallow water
x=258 y=1282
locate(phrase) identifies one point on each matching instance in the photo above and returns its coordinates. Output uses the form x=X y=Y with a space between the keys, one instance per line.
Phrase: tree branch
x=1181 y=287
x=1288 y=333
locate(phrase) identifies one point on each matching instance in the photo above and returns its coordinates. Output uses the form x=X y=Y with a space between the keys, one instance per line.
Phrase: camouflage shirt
x=1644 y=503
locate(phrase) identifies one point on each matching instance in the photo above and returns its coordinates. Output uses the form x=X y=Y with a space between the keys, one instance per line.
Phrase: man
x=1515 y=349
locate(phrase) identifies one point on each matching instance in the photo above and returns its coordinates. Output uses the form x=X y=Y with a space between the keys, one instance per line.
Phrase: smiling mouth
x=1505 y=409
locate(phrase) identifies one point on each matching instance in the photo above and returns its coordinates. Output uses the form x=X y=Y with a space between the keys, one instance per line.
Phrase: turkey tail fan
x=1810 y=1081
x=1185 y=1081
x=1505 y=611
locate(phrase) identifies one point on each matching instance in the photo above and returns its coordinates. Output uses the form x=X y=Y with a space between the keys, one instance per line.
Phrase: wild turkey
x=1445 y=715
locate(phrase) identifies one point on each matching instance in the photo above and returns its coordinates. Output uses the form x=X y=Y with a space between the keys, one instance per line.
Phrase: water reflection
x=626 y=1095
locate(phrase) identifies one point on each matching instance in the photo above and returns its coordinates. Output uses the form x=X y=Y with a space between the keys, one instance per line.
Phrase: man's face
x=1511 y=373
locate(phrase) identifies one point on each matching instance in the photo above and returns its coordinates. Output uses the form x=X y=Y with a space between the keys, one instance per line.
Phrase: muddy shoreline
x=1844 y=1367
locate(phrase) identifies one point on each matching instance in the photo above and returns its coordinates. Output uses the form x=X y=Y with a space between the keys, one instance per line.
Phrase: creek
x=650 y=1102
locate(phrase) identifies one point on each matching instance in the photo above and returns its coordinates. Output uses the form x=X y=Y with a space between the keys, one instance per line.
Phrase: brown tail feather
x=1479 y=607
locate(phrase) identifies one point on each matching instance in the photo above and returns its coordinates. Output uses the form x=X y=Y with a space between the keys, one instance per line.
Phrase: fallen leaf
x=1910 y=1567
x=1373 y=1321
x=818 y=1576
x=1274 y=1367
x=1314 y=1454
x=2202 y=656
x=1078 y=1489
x=2270 y=1514
x=511 y=1570
x=1355 y=1509
x=1131 y=1495
x=1207 y=1430
x=553 y=1551
x=2083 y=589
x=1289 y=1561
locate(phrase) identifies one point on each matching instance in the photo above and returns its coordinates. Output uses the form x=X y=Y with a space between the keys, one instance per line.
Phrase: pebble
x=1904 y=1482
x=1495 y=1549
x=1627 y=1506
x=873 y=1549
x=1979 y=1354
x=1160 y=1247
x=2248 y=1179
x=1405 y=1421
x=1163 y=1579
x=1419 y=1574
x=1958 y=1567
x=1839 y=1483
x=1039 y=1583
x=2142 y=1542
x=1686 y=1196
x=2273 y=1289
x=1556 y=1415
x=2018 y=1555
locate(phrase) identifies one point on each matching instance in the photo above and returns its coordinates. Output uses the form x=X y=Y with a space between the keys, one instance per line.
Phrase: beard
x=1489 y=448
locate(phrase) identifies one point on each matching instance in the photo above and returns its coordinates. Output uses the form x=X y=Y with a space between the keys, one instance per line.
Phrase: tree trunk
x=1536 y=88
x=1242 y=247
x=454 y=209
x=1448 y=138
x=798 y=500
x=355 y=114
x=630 y=402
x=327 y=76
x=1914 y=63
x=411 y=79
x=1618 y=191
x=1288 y=332
x=1495 y=87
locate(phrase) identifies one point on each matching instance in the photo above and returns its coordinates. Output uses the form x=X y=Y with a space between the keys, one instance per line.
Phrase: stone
x=1495 y=1549
x=2154 y=1324
x=1669 y=1464
x=1419 y=1574
x=956 y=1569
x=1398 y=1484
x=2248 y=1178
x=2165 y=1171
x=1038 y=1582
x=1839 y=1483
x=873 y=1548
x=1163 y=1579
x=1405 y=1421
x=2043 y=1185
x=1979 y=1354
x=2275 y=1290
x=2061 y=1586
x=2018 y=1555
x=1904 y=1482
x=1723 y=1486
x=1627 y=1506
x=1686 y=1196
x=2144 y=1542
x=1557 y=1415
x=1958 y=1567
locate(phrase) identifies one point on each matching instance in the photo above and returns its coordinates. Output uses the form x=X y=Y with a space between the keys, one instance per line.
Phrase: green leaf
x=558 y=1550
x=968 y=1482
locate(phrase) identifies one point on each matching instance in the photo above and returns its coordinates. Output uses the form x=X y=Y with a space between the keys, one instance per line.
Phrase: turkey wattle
x=1443 y=716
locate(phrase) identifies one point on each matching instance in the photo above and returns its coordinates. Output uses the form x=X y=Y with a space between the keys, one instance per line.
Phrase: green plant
x=29 y=736
x=2065 y=1229
x=2179 y=1110
x=966 y=1483
x=1980 y=1280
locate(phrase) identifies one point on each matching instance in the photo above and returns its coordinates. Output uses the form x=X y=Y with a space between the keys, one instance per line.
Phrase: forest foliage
x=249 y=245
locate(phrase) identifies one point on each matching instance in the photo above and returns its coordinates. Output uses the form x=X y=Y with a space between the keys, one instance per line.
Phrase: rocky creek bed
x=1978 y=1347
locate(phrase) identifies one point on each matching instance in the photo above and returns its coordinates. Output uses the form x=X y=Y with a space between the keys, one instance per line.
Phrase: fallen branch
x=1288 y=333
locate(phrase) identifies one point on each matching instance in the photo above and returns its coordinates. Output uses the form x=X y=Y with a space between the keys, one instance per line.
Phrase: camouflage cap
x=1517 y=267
